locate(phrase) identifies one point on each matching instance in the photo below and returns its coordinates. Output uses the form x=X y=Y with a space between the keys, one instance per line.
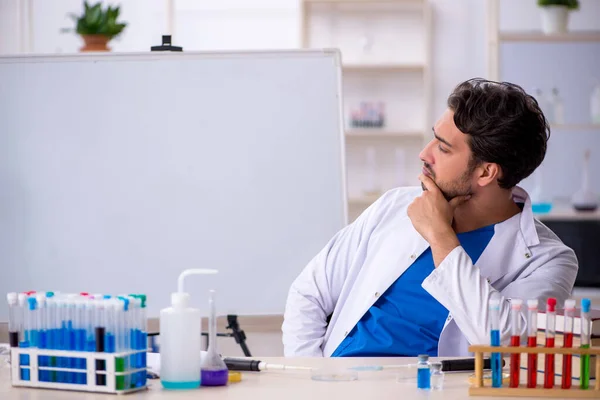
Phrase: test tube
x=13 y=319
x=550 y=333
x=496 y=360
x=120 y=341
x=42 y=336
x=584 y=380
x=61 y=336
x=52 y=328
x=70 y=335
x=23 y=358
x=101 y=332
x=143 y=339
x=31 y=330
x=568 y=343
x=80 y=334
x=532 y=306
x=88 y=322
x=515 y=341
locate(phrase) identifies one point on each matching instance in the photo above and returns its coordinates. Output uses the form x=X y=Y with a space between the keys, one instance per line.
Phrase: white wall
x=459 y=39
x=459 y=47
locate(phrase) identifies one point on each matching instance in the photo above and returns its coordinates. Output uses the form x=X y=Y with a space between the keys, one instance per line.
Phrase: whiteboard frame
x=195 y=55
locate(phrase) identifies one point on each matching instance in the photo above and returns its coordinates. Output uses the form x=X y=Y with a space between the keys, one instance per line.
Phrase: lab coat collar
x=509 y=248
x=527 y=222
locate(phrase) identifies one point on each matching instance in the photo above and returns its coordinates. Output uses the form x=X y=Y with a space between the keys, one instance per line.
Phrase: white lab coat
x=524 y=259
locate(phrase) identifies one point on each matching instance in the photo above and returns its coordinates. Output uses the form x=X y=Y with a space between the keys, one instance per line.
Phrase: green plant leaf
x=96 y=20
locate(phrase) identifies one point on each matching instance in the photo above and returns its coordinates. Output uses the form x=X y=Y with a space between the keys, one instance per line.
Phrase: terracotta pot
x=95 y=43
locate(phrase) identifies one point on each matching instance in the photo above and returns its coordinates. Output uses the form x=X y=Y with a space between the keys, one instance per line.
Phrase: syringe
x=241 y=364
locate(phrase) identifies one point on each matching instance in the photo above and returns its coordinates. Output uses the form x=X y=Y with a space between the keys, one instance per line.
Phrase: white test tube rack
x=90 y=370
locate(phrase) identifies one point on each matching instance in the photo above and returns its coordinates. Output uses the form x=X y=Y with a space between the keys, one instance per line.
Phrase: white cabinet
x=386 y=56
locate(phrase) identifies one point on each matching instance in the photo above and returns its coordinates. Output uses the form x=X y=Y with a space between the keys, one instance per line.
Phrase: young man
x=414 y=273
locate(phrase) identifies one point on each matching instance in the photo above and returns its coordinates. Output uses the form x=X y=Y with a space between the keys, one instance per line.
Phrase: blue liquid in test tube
x=496 y=359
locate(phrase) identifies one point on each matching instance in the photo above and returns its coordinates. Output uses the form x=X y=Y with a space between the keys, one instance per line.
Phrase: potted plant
x=555 y=15
x=97 y=26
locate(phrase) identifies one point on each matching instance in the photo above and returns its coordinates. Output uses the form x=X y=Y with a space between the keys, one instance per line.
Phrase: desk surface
x=280 y=385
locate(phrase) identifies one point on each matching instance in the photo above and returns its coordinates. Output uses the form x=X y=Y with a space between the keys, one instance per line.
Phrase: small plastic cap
x=569 y=304
x=423 y=357
x=143 y=297
x=12 y=298
x=516 y=304
x=532 y=303
x=49 y=294
x=436 y=366
x=22 y=298
x=180 y=300
x=41 y=298
x=585 y=305
x=551 y=304
x=234 y=376
x=31 y=302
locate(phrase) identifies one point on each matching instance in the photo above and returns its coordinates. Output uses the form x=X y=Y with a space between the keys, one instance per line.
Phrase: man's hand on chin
x=432 y=215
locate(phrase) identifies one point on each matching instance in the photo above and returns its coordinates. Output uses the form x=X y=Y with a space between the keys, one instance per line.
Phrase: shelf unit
x=534 y=36
x=560 y=171
x=496 y=37
x=575 y=127
x=386 y=58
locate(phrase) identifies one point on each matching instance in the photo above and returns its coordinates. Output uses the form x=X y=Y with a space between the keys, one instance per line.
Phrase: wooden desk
x=286 y=385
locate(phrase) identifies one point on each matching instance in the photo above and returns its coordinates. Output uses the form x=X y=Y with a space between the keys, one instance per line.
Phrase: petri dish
x=334 y=374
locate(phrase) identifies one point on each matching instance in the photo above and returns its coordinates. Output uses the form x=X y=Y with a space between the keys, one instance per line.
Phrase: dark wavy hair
x=504 y=125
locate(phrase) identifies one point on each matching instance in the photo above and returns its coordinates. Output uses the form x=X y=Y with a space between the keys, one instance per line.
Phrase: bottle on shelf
x=540 y=202
x=595 y=104
x=545 y=104
x=558 y=110
x=400 y=166
x=584 y=199
x=371 y=186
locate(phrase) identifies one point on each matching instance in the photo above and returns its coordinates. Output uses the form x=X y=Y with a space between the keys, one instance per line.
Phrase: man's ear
x=488 y=173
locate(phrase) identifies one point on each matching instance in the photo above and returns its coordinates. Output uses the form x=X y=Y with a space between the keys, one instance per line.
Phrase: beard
x=458 y=187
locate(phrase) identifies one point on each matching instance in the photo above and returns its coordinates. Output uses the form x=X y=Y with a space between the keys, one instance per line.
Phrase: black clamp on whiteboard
x=166 y=45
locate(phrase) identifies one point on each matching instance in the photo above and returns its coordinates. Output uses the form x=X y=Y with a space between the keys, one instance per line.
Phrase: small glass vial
x=437 y=376
x=423 y=372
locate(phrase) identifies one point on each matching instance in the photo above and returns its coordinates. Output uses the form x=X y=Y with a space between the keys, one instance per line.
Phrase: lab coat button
x=412 y=256
x=376 y=294
x=527 y=255
x=346 y=333
x=449 y=318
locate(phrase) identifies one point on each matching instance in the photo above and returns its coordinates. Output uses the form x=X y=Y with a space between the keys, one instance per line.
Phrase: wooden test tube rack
x=477 y=389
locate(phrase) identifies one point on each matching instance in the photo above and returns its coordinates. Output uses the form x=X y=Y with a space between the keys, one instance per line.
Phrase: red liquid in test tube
x=532 y=308
x=515 y=341
x=568 y=335
x=550 y=333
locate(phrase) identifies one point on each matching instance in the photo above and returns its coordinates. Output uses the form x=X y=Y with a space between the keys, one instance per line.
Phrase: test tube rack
x=478 y=389
x=109 y=370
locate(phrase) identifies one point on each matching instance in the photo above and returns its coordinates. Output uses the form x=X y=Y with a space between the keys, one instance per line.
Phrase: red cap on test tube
x=551 y=304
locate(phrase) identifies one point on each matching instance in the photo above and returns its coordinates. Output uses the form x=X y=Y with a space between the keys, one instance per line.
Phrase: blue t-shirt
x=407 y=320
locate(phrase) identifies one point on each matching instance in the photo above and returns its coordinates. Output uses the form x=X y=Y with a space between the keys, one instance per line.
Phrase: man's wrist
x=442 y=244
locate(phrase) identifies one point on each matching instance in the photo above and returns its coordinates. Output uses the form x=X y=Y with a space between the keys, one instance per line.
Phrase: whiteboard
x=119 y=171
